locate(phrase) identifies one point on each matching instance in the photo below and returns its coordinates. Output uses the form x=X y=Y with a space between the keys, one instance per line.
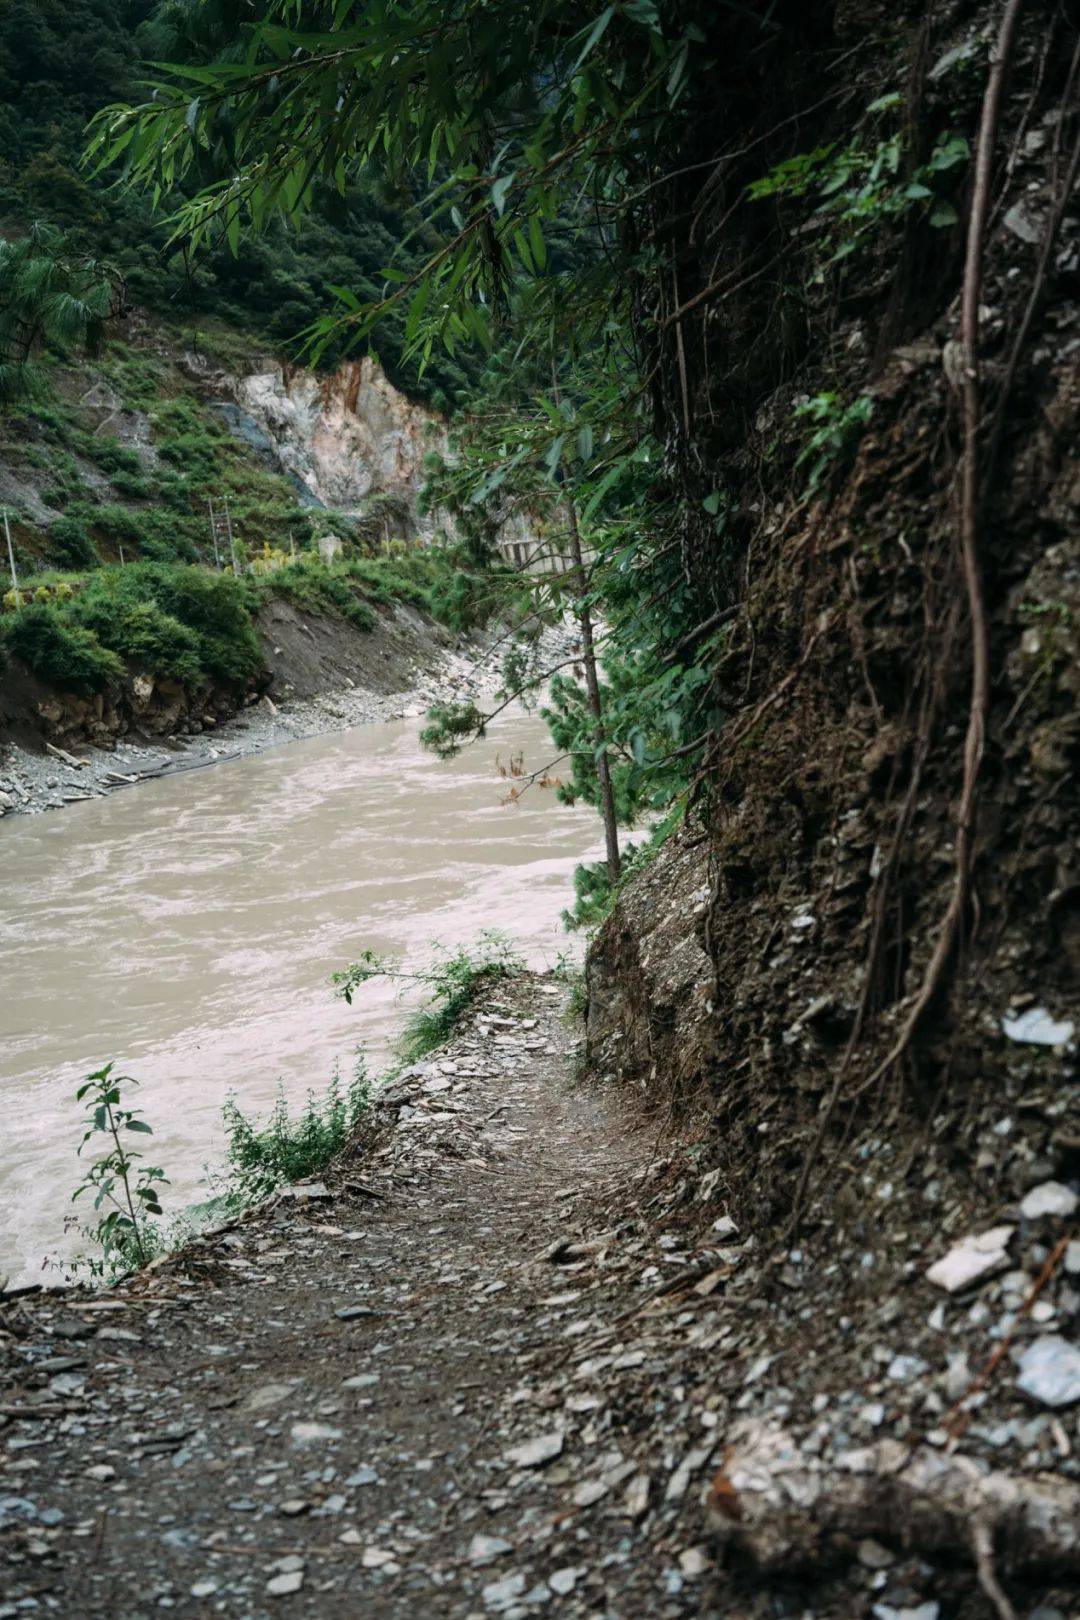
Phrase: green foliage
x=142 y=634
x=262 y=1157
x=835 y=430
x=52 y=300
x=454 y=980
x=595 y=895
x=293 y=104
x=860 y=186
x=450 y=726
x=159 y=618
x=60 y=653
x=313 y=586
x=125 y=1190
x=71 y=544
x=60 y=62
x=216 y=608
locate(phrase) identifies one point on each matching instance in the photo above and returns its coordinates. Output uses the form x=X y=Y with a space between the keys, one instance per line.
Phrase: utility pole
x=232 y=544
x=11 y=560
x=213 y=535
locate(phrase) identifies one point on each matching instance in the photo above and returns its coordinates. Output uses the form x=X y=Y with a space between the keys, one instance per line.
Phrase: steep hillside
x=61 y=61
x=161 y=501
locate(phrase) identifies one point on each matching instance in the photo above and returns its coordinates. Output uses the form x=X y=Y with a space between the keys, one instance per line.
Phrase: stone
x=694 y=1562
x=306 y=1434
x=264 y=1396
x=925 y=1611
x=563 y=1581
x=535 y=1453
x=485 y=1549
x=286 y=1584
x=902 y=1369
x=1022 y=225
x=362 y=1476
x=1035 y=1027
x=637 y=1497
x=975 y=1256
x=500 y=1594
x=354 y=1313
x=1050 y=1371
x=1051 y=1198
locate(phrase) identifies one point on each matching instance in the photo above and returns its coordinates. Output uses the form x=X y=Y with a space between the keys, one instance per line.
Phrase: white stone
x=500 y=1594
x=485 y=1549
x=977 y=1255
x=285 y=1585
x=1051 y=1198
x=1037 y=1028
x=535 y=1453
x=306 y=1434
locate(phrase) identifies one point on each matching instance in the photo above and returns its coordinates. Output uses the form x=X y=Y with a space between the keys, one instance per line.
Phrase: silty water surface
x=187 y=928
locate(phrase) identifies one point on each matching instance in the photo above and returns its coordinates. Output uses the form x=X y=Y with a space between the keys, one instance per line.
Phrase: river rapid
x=188 y=928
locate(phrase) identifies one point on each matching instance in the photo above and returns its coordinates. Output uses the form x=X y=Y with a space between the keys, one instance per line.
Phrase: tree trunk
x=592 y=687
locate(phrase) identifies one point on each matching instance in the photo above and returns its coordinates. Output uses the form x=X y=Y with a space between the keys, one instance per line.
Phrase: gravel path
x=317 y=1411
x=505 y=1361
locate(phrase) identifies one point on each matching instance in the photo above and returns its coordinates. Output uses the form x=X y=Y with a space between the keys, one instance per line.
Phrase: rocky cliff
x=344 y=439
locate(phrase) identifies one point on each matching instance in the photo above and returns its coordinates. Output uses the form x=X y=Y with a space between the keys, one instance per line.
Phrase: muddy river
x=188 y=928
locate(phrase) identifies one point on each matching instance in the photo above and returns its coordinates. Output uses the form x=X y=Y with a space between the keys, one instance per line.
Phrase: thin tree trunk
x=592 y=687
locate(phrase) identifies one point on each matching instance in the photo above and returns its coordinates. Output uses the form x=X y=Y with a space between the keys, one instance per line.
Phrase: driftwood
x=784 y=1508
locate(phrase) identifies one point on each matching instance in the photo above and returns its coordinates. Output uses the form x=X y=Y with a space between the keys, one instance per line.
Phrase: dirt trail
x=312 y=1413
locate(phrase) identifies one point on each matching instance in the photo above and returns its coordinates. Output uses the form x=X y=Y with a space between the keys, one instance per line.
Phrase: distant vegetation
x=60 y=61
x=82 y=632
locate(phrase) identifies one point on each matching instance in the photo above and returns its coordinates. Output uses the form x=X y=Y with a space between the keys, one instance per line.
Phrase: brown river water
x=188 y=928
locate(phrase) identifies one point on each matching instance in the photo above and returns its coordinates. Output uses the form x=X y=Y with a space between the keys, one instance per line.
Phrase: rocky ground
x=312 y=691
x=509 y=1359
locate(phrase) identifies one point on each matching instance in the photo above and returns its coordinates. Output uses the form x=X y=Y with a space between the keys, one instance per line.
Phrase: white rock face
x=345 y=436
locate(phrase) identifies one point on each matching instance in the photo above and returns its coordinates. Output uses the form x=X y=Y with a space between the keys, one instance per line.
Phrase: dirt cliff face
x=344 y=437
x=762 y=972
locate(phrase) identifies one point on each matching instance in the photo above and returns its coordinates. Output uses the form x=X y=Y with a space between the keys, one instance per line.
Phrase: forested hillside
x=59 y=65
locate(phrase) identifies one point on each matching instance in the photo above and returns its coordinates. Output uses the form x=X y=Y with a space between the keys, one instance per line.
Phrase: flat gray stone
x=1050 y=1371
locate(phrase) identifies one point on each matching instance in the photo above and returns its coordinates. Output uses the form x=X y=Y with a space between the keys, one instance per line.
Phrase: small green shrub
x=133 y=485
x=58 y=652
x=71 y=544
x=454 y=979
x=835 y=430
x=126 y=1191
x=142 y=634
x=214 y=611
x=315 y=588
x=286 y=1149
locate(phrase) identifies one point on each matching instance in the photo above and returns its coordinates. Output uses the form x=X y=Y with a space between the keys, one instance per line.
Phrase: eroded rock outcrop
x=343 y=438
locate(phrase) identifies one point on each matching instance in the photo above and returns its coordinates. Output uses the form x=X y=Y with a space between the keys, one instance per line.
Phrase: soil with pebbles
x=499 y=1362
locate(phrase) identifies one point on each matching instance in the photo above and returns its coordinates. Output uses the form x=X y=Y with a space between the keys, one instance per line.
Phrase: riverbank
x=325 y=677
x=507 y=1358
